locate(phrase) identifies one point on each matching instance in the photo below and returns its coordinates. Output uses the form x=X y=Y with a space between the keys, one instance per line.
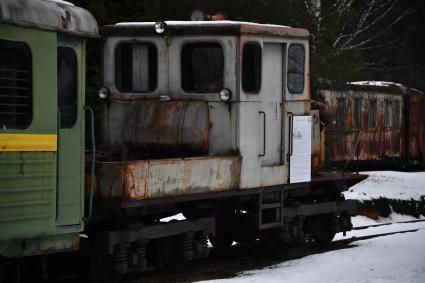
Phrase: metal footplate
x=348 y=206
x=272 y=215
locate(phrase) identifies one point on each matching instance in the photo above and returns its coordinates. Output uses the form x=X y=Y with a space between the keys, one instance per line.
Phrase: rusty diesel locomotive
x=377 y=125
x=212 y=120
x=209 y=120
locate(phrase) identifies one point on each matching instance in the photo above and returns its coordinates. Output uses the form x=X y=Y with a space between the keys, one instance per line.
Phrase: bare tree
x=344 y=27
x=359 y=25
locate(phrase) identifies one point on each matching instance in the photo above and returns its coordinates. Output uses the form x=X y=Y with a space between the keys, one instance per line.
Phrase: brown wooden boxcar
x=379 y=124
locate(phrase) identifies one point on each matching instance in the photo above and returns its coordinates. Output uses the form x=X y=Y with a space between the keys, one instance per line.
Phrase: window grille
x=136 y=67
x=296 y=68
x=15 y=85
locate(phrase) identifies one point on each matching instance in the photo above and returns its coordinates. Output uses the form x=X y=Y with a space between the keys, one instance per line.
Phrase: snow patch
x=390 y=185
x=174 y=217
x=60 y=2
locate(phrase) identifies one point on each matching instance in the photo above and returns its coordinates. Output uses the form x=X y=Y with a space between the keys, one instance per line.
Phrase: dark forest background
x=351 y=39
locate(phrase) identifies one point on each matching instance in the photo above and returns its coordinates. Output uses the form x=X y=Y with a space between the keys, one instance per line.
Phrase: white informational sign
x=300 y=162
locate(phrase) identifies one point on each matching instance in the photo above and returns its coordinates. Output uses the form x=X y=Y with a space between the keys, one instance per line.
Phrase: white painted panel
x=271 y=90
x=273 y=175
x=300 y=163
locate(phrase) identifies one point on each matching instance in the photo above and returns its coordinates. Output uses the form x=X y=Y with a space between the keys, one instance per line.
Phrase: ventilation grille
x=15 y=86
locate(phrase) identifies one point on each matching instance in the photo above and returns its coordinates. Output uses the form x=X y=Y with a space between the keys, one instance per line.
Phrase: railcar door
x=273 y=169
x=272 y=104
x=70 y=89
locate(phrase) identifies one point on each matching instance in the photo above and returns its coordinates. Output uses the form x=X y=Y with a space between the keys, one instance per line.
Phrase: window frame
x=30 y=71
x=388 y=112
x=76 y=93
x=180 y=68
x=396 y=112
x=373 y=102
x=358 y=110
x=260 y=72
x=341 y=117
x=292 y=91
x=136 y=42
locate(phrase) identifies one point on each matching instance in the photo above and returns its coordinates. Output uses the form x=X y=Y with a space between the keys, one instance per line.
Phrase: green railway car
x=42 y=91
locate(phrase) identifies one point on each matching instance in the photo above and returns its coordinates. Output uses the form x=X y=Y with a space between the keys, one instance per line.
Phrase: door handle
x=264 y=133
x=291 y=128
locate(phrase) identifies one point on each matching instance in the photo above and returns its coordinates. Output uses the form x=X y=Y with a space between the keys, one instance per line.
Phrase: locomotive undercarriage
x=137 y=240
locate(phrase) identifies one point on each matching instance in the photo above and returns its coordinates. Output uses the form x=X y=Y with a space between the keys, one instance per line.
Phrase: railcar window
x=389 y=114
x=202 y=67
x=136 y=67
x=15 y=85
x=296 y=70
x=251 y=67
x=67 y=86
x=396 y=114
x=341 y=113
x=372 y=114
x=358 y=113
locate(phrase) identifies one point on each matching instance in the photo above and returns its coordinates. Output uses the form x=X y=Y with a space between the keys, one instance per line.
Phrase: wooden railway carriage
x=42 y=71
x=385 y=117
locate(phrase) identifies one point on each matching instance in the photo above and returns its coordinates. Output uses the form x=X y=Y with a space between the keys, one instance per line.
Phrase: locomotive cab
x=212 y=120
x=209 y=95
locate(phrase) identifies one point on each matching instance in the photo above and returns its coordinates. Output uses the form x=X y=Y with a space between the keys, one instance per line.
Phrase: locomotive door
x=70 y=131
x=271 y=91
x=272 y=162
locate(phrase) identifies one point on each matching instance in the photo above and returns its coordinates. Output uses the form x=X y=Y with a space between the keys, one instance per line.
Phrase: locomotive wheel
x=222 y=240
x=323 y=232
x=169 y=258
x=273 y=240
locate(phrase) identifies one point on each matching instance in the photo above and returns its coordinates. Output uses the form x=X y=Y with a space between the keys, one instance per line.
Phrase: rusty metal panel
x=147 y=179
x=317 y=143
x=416 y=134
x=157 y=127
x=380 y=142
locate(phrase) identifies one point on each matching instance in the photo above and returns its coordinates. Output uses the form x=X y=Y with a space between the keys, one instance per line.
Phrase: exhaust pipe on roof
x=199 y=15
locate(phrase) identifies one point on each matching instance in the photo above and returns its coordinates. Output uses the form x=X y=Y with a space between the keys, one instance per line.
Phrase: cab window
x=251 y=67
x=136 y=67
x=202 y=67
x=67 y=86
x=296 y=69
x=15 y=85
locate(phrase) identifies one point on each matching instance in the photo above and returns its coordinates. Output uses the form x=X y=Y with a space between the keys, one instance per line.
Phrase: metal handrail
x=93 y=161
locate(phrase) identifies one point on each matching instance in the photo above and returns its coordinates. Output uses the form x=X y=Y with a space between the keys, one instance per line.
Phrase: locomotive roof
x=52 y=15
x=206 y=28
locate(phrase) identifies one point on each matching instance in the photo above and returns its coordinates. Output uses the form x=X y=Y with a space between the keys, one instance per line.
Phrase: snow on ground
x=394 y=258
x=389 y=184
x=381 y=229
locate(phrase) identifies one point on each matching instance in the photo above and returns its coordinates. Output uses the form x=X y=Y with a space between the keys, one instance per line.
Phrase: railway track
x=254 y=256
x=246 y=257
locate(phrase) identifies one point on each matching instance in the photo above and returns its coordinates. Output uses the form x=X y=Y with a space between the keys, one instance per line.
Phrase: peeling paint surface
x=154 y=178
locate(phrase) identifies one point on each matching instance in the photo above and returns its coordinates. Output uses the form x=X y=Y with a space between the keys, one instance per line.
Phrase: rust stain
x=144 y=179
x=385 y=140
